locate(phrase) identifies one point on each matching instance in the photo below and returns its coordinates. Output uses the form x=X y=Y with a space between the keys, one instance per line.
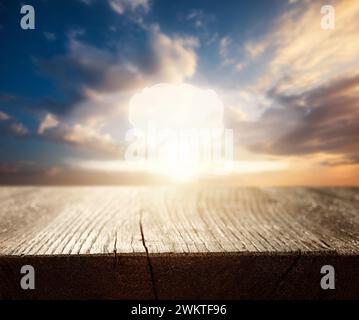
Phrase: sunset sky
x=289 y=89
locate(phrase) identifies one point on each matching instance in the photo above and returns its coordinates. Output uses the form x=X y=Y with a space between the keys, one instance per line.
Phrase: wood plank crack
x=150 y=268
x=284 y=276
x=115 y=249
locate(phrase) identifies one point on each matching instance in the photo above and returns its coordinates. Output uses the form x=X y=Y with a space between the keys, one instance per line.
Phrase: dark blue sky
x=19 y=48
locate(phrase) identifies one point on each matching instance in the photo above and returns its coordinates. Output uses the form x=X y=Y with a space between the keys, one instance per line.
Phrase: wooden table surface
x=179 y=242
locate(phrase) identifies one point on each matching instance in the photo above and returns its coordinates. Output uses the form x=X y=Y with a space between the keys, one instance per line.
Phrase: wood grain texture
x=179 y=242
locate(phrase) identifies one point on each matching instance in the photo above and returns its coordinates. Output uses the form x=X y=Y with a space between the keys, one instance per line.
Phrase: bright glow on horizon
x=185 y=175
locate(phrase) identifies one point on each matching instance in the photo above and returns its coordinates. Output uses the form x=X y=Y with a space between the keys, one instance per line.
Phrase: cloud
x=303 y=55
x=255 y=49
x=4 y=116
x=88 y=67
x=176 y=107
x=121 y=6
x=78 y=135
x=50 y=36
x=48 y=122
x=200 y=18
x=173 y=59
x=224 y=45
x=87 y=2
x=89 y=138
x=10 y=126
x=101 y=71
x=320 y=120
x=18 y=129
x=84 y=137
x=239 y=67
x=51 y=129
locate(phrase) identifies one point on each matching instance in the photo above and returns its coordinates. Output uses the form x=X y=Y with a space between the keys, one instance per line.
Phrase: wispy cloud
x=10 y=126
x=4 y=116
x=224 y=50
x=50 y=36
x=123 y=6
x=303 y=54
x=199 y=18
x=78 y=135
x=48 y=122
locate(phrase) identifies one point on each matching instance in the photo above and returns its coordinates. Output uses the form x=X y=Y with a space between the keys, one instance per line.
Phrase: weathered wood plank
x=249 y=220
x=54 y=221
x=179 y=242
